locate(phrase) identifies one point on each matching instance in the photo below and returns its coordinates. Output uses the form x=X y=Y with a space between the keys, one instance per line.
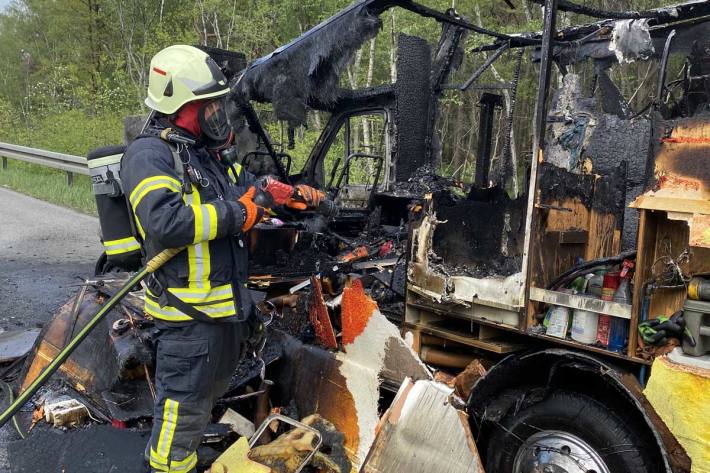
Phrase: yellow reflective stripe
x=184 y=465
x=124 y=245
x=212 y=215
x=150 y=184
x=160 y=464
x=205 y=222
x=198 y=210
x=147 y=185
x=215 y=311
x=218 y=309
x=141 y=232
x=119 y=242
x=191 y=256
x=198 y=254
x=238 y=168
x=198 y=296
x=167 y=430
x=157 y=313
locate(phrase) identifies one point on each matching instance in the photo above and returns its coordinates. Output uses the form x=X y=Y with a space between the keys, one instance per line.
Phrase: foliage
x=50 y=185
x=73 y=68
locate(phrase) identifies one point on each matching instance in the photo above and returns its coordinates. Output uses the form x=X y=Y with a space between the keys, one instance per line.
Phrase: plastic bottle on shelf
x=623 y=292
x=579 y=285
x=596 y=281
x=584 y=326
x=619 y=327
x=557 y=322
x=618 y=334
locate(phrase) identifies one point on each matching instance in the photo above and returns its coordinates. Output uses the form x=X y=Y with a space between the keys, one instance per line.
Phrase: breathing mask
x=214 y=124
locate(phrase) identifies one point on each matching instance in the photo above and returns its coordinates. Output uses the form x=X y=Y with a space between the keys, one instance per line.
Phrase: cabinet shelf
x=590 y=348
x=575 y=301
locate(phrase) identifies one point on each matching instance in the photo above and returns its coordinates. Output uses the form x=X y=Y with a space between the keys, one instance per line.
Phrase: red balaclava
x=186 y=118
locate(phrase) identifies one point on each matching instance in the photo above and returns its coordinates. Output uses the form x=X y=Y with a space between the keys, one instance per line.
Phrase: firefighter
x=188 y=195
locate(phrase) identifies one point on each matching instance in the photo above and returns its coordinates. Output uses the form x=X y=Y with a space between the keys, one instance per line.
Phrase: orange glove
x=281 y=193
x=305 y=197
x=252 y=212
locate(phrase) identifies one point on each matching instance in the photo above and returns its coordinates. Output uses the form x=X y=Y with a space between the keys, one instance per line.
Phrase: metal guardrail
x=66 y=162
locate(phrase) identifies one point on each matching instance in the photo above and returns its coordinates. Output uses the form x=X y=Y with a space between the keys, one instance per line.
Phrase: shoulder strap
x=177 y=162
x=178 y=165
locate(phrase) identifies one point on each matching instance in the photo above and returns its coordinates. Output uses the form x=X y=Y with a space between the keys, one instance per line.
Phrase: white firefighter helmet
x=180 y=74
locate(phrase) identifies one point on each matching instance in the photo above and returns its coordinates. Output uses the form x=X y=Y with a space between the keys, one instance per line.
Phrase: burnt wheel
x=567 y=432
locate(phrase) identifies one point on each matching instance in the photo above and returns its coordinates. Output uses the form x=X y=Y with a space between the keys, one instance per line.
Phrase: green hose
x=62 y=356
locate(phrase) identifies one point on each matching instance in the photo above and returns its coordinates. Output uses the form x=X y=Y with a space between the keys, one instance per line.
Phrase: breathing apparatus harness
x=261 y=316
x=188 y=176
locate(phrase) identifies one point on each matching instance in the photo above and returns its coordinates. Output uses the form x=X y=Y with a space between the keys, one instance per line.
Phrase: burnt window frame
x=314 y=170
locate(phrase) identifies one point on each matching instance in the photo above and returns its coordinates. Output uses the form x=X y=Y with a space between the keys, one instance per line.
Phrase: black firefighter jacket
x=211 y=274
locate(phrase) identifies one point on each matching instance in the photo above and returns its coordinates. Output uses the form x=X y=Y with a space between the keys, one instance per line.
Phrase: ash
x=424 y=180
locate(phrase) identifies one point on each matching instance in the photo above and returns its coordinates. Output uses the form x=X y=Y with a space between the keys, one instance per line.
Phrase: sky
x=4 y=3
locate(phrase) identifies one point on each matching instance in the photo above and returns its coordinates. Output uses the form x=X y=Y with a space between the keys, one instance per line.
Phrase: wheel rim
x=554 y=451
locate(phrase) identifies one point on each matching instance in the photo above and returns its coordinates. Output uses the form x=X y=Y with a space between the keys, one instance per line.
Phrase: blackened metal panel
x=309 y=66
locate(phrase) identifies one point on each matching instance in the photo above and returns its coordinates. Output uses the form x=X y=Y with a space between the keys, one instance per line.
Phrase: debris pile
x=333 y=368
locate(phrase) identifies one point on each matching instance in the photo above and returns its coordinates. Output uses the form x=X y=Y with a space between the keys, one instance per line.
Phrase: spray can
x=603 y=328
x=611 y=283
x=618 y=333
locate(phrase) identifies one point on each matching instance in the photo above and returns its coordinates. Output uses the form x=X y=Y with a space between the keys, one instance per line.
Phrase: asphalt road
x=44 y=250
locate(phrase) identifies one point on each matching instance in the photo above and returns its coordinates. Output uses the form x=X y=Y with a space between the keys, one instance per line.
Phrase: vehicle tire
x=568 y=431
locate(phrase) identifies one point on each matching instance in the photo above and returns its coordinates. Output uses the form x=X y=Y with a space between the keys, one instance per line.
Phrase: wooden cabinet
x=667 y=244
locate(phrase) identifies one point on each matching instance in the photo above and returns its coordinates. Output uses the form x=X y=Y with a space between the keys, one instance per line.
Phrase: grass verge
x=49 y=185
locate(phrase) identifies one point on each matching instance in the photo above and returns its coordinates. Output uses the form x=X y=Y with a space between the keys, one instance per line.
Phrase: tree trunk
x=393 y=49
x=366 y=131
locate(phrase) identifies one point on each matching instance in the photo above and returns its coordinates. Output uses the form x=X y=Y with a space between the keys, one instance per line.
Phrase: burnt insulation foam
x=412 y=92
x=309 y=68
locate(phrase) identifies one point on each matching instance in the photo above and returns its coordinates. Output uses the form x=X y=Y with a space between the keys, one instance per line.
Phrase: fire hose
x=265 y=197
x=153 y=265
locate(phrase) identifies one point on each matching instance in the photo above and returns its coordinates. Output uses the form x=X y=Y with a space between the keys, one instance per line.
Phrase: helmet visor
x=213 y=120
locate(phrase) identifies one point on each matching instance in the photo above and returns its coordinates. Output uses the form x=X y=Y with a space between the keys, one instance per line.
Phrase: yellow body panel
x=681 y=396
x=235 y=459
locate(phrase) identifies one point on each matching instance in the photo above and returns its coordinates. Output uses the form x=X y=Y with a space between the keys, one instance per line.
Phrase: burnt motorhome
x=483 y=272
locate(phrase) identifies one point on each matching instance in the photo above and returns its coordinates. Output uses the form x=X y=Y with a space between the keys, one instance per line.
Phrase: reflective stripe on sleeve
x=205 y=222
x=186 y=464
x=198 y=254
x=212 y=215
x=146 y=186
x=150 y=184
x=157 y=463
x=125 y=245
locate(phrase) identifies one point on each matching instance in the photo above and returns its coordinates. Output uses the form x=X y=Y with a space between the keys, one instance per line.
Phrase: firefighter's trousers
x=194 y=364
